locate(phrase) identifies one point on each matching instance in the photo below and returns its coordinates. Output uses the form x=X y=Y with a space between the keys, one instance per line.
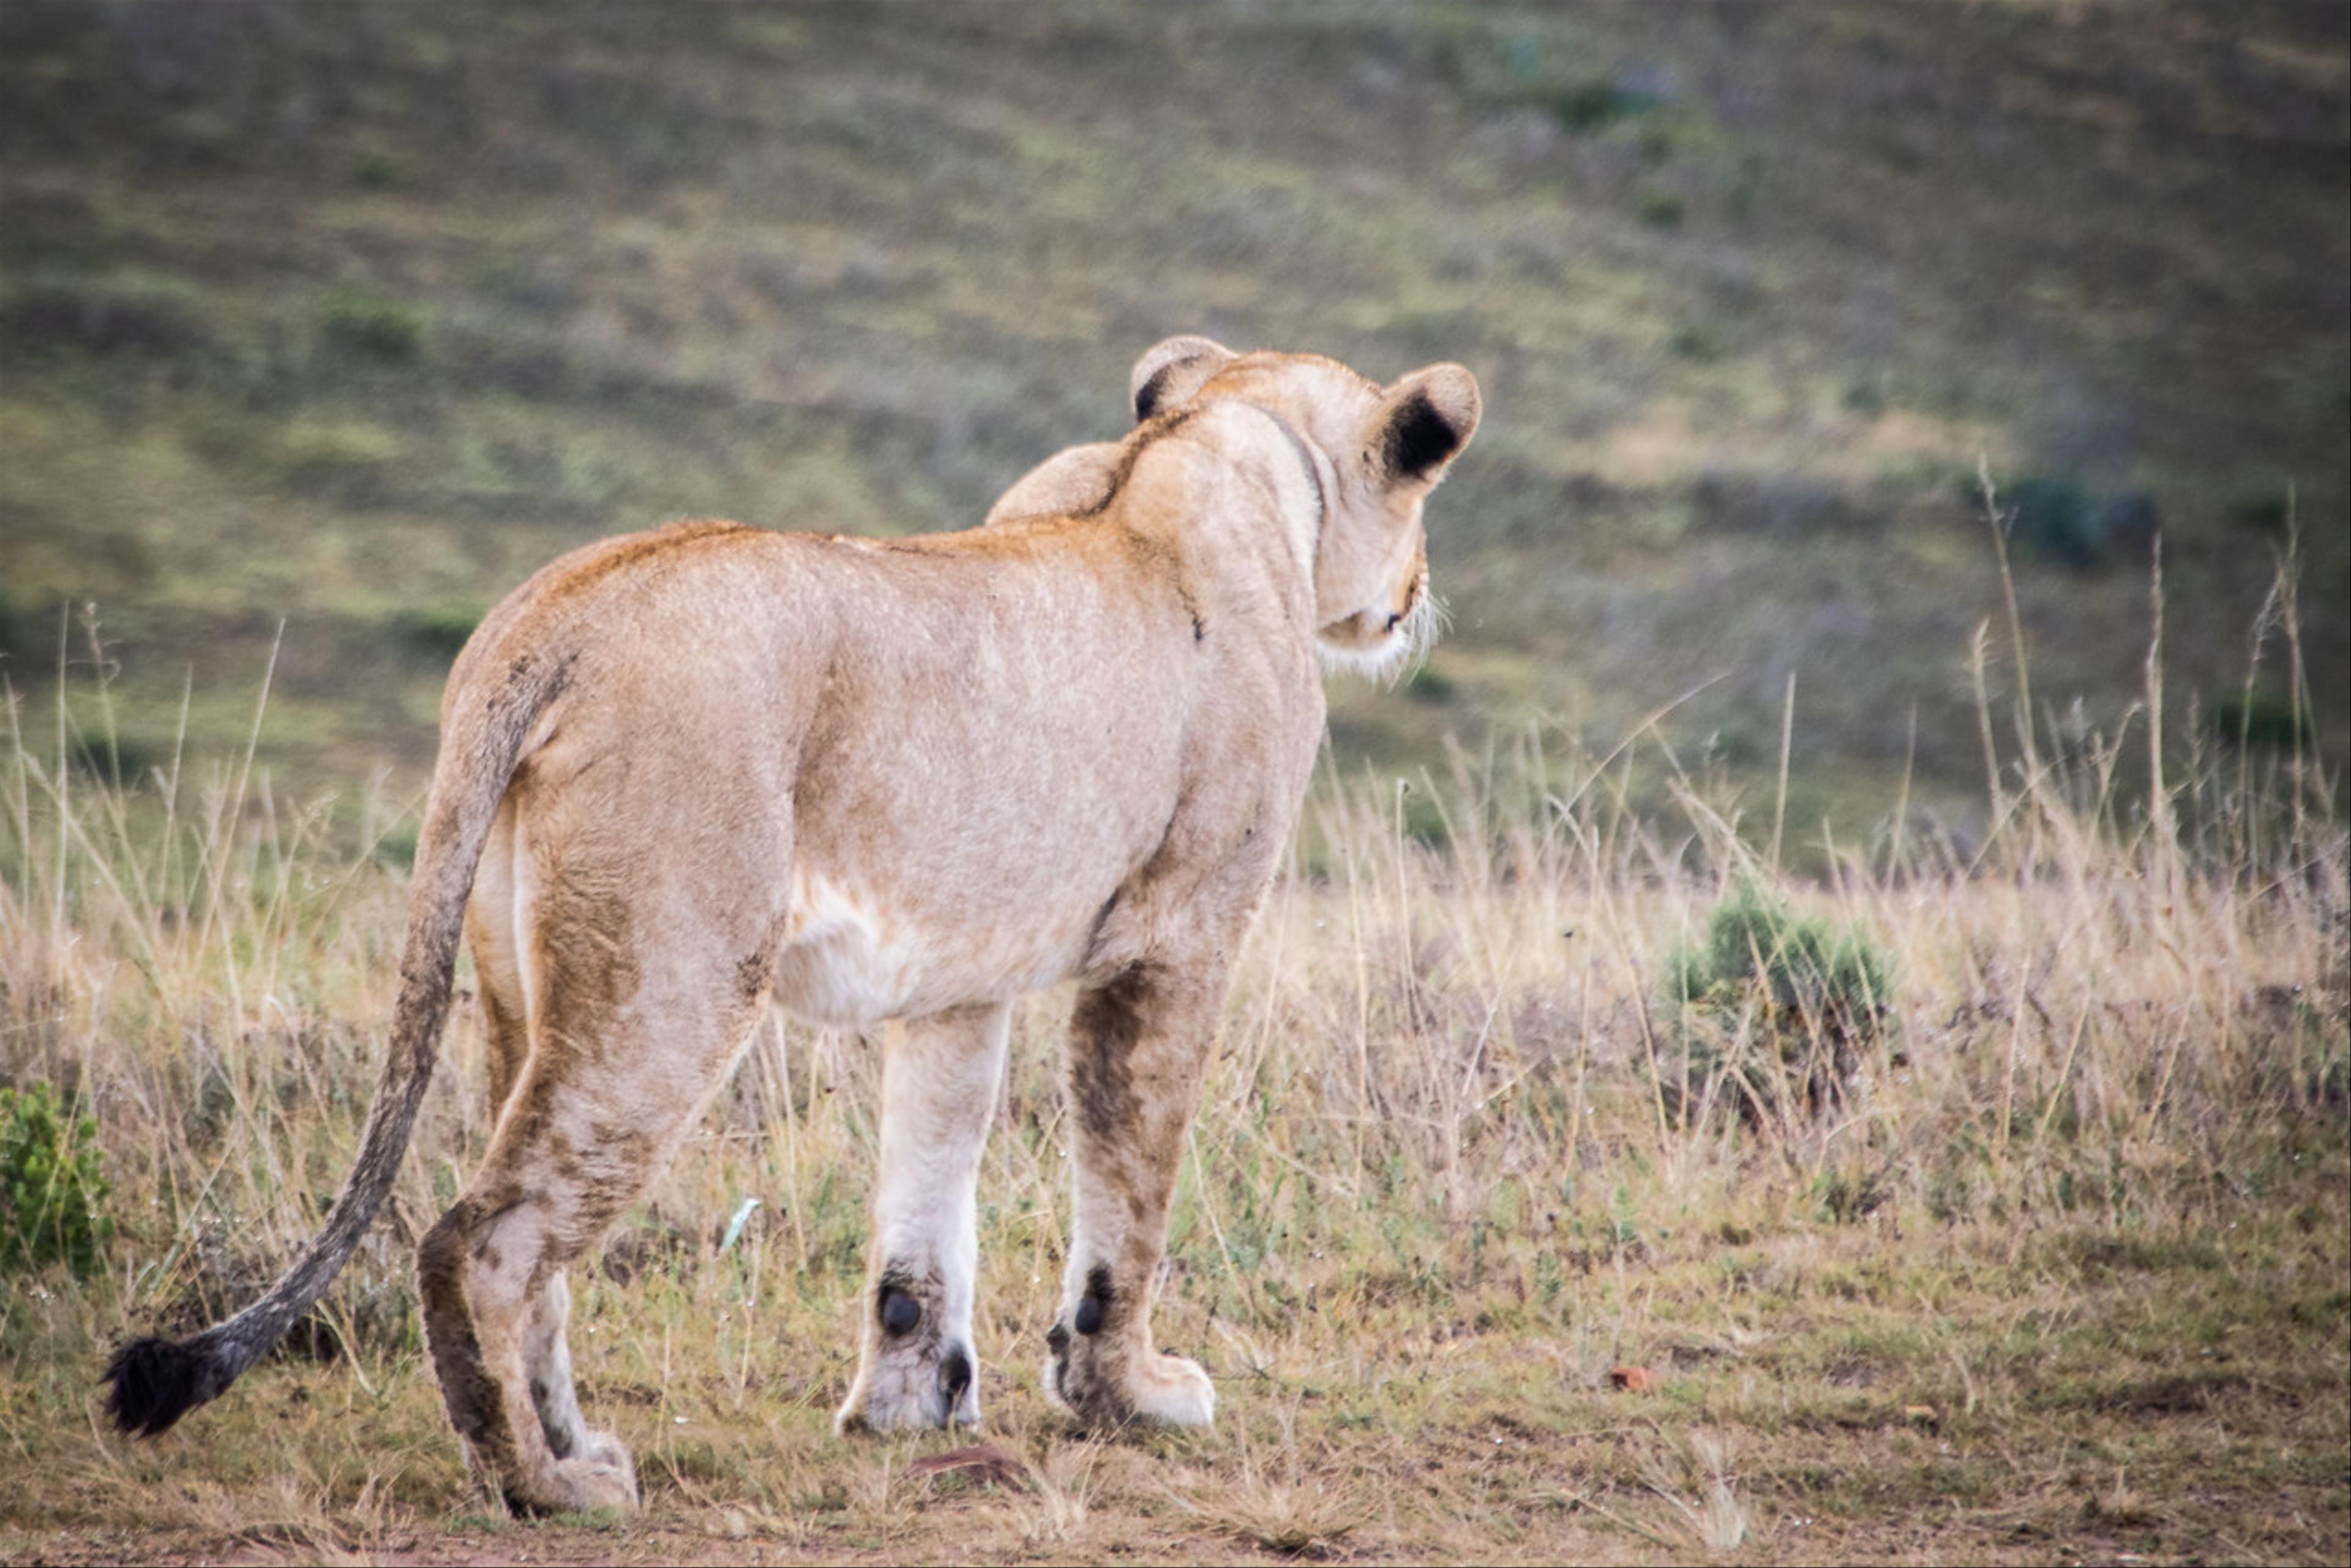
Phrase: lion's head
x=1376 y=452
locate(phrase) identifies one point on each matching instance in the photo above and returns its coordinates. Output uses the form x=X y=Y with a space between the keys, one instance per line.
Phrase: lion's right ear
x=1171 y=371
x=1423 y=422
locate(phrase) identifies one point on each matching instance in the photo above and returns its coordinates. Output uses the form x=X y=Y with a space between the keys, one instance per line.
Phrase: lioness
x=683 y=771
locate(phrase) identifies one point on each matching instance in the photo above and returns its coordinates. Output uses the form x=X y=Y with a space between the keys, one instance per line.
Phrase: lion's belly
x=849 y=959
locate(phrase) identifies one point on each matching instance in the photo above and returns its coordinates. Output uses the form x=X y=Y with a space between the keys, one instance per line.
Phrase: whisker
x=1400 y=656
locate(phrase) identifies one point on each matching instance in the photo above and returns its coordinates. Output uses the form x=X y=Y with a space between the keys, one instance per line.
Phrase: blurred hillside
x=351 y=315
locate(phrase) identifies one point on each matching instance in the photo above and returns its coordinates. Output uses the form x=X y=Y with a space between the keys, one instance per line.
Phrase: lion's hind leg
x=629 y=1039
x=497 y=919
x=915 y=1364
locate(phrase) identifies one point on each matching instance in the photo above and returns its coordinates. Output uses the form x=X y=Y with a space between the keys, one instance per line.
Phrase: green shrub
x=1428 y=684
x=2259 y=717
x=1424 y=821
x=2053 y=518
x=1865 y=396
x=374 y=169
x=2269 y=507
x=1696 y=343
x=396 y=845
x=1589 y=103
x=1801 y=1000
x=347 y=458
x=1756 y=943
x=1661 y=212
x=438 y=631
x=378 y=328
x=50 y=1189
x=24 y=640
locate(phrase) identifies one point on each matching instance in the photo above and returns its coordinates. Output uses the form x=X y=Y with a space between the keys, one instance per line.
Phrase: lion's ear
x=1423 y=422
x=1171 y=371
x=1068 y=483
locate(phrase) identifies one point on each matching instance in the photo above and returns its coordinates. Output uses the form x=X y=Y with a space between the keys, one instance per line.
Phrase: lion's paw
x=1157 y=1390
x=604 y=1448
x=1172 y=1391
x=604 y=1478
x=907 y=1386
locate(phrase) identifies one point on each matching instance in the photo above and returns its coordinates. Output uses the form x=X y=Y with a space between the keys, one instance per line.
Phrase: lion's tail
x=157 y=1381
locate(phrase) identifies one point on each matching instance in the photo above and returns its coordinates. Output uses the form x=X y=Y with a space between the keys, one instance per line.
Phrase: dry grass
x=2059 y=1273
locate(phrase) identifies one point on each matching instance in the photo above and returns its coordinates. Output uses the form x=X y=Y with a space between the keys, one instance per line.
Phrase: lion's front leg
x=1137 y=1046
x=915 y=1365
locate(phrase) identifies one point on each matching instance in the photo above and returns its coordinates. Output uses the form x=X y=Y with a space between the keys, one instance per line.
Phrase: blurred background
x=346 y=317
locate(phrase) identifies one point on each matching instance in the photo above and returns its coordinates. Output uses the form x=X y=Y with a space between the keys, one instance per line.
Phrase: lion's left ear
x=1423 y=422
x=1172 y=370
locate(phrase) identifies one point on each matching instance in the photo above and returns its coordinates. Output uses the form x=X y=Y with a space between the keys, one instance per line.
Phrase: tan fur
x=909 y=779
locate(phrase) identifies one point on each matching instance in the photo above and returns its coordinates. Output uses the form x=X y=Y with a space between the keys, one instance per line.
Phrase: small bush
x=378 y=328
x=2268 y=507
x=2259 y=717
x=1428 y=684
x=435 y=632
x=396 y=846
x=374 y=169
x=2053 y=518
x=50 y=1189
x=1801 y=1002
x=1424 y=821
x=344 y=457
x=2060 y=521
x=1865 y=396
x=1695 y=343
x=24 y=641
x=1585 y=104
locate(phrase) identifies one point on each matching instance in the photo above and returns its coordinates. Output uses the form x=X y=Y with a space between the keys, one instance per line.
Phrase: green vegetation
x=2057 y=518
x=1758 y=950
x=378 y=328
x=1776 y=1011
x=2259 y=716
x=52 y=1195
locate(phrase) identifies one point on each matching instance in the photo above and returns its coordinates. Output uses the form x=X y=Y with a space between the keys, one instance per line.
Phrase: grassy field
x=1817 y=1026
x=349 y=316
x=1586 y=1190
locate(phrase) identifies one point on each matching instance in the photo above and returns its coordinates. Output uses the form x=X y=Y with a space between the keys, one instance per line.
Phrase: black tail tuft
x=157 y=1381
